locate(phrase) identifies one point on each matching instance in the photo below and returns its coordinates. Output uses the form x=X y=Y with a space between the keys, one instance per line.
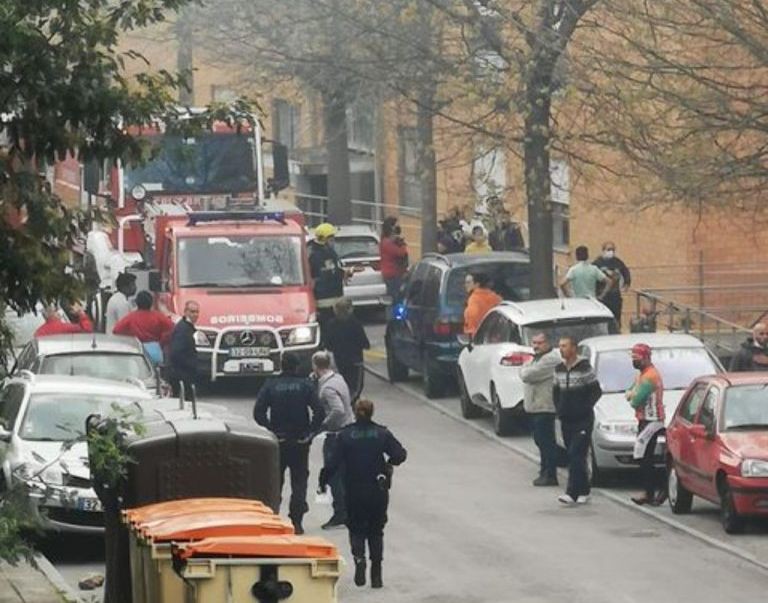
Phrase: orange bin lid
x=259 y=546
x=187 y=506
x=215 y=523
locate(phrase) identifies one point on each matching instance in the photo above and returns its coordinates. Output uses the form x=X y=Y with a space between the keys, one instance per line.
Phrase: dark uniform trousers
x=366 y=518
x=294 y=456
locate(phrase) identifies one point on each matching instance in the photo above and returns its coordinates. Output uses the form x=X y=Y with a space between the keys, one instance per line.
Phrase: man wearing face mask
x=616 y=270
x=646 y=396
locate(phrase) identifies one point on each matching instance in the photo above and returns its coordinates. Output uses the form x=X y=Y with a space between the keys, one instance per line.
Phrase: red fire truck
x=194 y=225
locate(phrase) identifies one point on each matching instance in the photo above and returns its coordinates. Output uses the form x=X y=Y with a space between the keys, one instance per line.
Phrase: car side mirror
x=155 y=281
x=465 y=339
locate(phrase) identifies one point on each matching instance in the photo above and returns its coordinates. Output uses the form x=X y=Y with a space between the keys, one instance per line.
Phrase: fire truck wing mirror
x=155 y=281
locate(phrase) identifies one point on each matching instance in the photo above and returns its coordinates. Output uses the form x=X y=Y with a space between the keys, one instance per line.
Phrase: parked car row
x=716 y=446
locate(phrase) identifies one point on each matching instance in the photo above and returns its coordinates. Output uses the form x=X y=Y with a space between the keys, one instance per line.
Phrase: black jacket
x=284 y=404
x=575 y=392
x=183 y=352
x=346 y=338
x=326 y=270
x=614 y=265
x=750 y=357
x=364 y=449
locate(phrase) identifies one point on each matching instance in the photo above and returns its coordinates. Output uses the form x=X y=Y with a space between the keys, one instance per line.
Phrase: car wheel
x=680 y=498
x=732 y=522
x=503 y=419
x=468 y=409
x=396 y=370
x=434 y=381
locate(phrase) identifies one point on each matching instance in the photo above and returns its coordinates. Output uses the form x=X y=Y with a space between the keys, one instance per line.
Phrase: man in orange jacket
x=481 y=298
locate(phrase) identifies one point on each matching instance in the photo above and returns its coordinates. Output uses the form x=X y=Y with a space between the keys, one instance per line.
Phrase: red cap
x=642 y=350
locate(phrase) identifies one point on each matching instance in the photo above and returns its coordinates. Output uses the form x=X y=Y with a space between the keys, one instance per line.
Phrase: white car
x=679 y=359
x=38 y=415
x=489 y=366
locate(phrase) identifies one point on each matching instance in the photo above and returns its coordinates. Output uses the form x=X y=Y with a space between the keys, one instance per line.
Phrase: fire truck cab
x=249 y=273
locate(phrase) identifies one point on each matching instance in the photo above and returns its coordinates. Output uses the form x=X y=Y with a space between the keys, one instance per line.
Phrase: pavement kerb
x=612 y=496
x=56 y=579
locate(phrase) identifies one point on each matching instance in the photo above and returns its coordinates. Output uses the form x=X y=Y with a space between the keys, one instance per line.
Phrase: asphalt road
x=466 y=526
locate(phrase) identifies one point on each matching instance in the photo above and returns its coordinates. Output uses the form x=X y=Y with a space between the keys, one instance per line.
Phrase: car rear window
x=509 y=279
x=356 y=247
x=579 y=328
x=104 y=366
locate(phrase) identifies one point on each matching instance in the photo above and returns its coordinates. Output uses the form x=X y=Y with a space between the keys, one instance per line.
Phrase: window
x=10 y=403
x=361 y=125
x=707 y=413
x=286 y=120
x=26 y=358
x=103 y=366
x=508 y=279
x=410 y=176
x=416 y=286
x=348 y=248
x=489 y=174
x=432 y=287
x=561 y=201
x=487 y=328
x=693 y=403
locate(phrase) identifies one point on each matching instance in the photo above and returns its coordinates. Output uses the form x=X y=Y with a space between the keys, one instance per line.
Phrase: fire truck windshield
x=207 y=164
x=240 y=261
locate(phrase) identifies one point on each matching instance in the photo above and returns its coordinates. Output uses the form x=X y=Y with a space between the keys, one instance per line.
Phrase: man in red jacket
x=55 y=326
x=394 y=256
x=150 y=327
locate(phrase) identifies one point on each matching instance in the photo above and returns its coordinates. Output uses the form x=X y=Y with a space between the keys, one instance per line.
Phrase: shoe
x=566 y=499
x=545 y=480
x=333 y=523
x=661 y=498
x=376 y=574
x=583 y=499
x=641 y=500
x=360 y=571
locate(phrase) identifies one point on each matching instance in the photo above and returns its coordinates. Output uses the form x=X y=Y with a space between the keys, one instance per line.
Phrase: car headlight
x=301 y=335
x=617 y=427
x=38 y=474
x=205 y=339
x=754 y=468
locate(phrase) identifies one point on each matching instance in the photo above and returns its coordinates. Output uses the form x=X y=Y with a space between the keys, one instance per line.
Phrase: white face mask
x=609 y=253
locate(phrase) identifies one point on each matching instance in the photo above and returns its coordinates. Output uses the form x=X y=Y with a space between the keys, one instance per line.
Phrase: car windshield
x=60 y=417
x=240 y=261
x=746 y=407
x=509 y=279
x=580 y=328
x=678 y=367
x=356 y=247
x=206 y=164
x=118 y=367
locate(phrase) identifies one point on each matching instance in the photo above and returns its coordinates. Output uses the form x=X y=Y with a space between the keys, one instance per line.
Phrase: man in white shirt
x=120 y=303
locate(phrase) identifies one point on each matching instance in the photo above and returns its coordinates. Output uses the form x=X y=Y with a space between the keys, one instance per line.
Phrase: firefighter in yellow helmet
x=327 y=273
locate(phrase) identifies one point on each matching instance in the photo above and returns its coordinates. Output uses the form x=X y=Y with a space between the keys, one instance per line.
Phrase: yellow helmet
x=325 y=230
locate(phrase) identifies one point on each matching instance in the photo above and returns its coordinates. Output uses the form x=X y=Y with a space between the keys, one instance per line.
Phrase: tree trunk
x=427 y=171
x=538 y=181
x=335 y=117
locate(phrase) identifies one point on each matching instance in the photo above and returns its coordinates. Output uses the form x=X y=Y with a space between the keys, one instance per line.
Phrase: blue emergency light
x=196 y=217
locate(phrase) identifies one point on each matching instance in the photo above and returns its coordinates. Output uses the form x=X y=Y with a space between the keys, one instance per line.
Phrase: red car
x=717 y=447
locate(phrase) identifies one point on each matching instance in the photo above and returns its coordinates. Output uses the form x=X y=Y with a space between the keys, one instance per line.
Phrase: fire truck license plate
x=251 y=352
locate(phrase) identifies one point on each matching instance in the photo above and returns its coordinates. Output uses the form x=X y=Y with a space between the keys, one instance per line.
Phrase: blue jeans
x=577 y=437
x=543 y=427
x=337 y=481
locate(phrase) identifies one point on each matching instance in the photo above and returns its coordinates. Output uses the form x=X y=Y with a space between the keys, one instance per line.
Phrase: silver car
x=38 y=415
x=358 y=248
x=89 y=355
x=679 y=358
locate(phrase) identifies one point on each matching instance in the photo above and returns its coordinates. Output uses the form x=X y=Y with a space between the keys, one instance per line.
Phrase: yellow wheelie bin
x=299 y=569
x=152 y=573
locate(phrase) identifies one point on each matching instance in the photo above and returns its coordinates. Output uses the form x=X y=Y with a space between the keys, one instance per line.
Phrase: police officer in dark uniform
x=327 y=273
x=283 y=406
x=367 y=451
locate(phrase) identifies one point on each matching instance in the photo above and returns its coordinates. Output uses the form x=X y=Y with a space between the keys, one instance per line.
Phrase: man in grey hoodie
x=537 y=377
x=333 y=394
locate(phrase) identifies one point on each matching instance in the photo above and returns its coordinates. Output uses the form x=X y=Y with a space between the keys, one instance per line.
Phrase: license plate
x=252 y=367
x=89 y=504
x=251 y=352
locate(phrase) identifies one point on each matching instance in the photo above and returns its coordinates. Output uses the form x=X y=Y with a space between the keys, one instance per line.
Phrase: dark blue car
x=428 y=316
